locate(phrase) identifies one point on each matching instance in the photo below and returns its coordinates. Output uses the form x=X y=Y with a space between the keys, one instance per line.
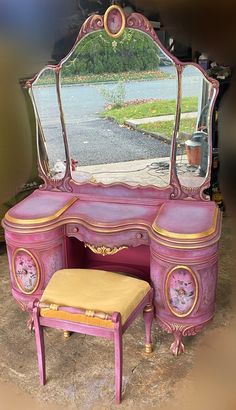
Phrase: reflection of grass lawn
x=165 y=128
x=150 y=109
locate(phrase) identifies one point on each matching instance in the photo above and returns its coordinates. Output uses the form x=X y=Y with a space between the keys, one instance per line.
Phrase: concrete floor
x=80 y=370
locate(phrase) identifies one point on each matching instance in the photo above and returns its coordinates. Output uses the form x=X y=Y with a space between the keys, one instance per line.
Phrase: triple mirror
x=120 y=109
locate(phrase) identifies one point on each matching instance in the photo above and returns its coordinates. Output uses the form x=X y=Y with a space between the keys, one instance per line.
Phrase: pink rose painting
x=26 y=272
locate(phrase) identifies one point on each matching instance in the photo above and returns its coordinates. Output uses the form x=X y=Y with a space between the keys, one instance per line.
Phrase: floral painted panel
x=182 y=291
x=26 y=271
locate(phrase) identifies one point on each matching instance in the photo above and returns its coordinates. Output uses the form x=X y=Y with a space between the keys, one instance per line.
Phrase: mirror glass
x=52 y=152
x=193 y=146
x=119 y=99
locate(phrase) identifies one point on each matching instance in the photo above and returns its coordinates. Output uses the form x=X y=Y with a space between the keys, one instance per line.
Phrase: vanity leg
x=177 y=346
x=148 y=318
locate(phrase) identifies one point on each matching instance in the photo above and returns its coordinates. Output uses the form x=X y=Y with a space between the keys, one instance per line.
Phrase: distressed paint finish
x=157 y=229
x=46 y=247
x=100 y=224
x=203 y=262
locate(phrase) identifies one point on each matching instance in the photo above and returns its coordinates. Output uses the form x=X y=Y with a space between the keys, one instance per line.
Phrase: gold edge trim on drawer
x=197 y=235
x=56 y=215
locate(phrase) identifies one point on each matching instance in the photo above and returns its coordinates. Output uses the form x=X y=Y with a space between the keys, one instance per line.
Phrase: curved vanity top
x=111 y=214
x=187 y=220
x=172 y=221
x=42 y=208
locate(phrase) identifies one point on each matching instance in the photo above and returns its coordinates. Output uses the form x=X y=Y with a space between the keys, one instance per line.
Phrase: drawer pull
x=139 y=235
x=75 y=230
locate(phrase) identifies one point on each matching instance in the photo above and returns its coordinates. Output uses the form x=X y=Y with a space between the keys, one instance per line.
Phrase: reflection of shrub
x=98 y=53
x=115 y=96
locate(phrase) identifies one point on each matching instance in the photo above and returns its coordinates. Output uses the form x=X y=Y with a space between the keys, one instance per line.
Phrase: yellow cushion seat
x=95 y=290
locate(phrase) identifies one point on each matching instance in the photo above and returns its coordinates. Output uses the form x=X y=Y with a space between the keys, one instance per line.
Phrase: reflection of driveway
x=101 y=141
x=93 y=140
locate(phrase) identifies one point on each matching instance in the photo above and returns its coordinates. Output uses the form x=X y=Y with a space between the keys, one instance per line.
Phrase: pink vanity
x=159 y=225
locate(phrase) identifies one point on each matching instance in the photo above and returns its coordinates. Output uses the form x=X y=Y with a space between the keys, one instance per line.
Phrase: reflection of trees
x=98 y=53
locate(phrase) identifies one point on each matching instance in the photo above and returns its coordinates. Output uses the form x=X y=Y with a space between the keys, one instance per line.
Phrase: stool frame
x=114 y=333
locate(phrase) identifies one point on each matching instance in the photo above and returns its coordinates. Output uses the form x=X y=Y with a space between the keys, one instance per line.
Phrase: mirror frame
x=138 y=22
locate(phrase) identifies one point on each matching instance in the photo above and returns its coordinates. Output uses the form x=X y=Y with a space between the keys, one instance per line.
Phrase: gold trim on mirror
x=56 y=215
x=103 y=250
x=196 y=290
x=109 y=11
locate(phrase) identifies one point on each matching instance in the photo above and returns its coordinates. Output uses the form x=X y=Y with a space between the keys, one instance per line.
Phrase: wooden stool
x=93 y=302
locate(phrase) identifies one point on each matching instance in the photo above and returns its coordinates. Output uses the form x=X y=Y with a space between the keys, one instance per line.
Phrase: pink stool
x=93 y=302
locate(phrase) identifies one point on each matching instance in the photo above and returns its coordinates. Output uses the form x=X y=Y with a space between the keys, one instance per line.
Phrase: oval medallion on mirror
x=119 y=100
x=50 y=138
x=193 y=155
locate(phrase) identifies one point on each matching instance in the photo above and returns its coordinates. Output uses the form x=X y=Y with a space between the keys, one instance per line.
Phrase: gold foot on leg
x=148 y=348
x=67 y=334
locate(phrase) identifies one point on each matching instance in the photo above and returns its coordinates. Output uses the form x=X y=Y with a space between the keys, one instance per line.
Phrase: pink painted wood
x=175 y=189
x=114 y=333
x=141 y=236
x=168 y=236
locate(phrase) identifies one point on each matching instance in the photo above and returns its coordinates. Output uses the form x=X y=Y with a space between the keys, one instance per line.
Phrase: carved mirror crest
x=120 y=109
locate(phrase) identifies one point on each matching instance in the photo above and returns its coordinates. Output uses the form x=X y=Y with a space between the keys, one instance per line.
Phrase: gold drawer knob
x=75 y=230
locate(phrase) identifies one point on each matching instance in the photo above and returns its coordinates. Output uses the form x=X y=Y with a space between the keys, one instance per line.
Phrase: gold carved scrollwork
x=103 y=250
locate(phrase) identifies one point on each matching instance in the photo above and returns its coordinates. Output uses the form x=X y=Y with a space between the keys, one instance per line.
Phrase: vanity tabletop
x=44 y=207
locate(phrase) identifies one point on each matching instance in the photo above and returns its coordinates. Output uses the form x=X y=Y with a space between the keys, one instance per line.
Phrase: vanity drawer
x=111 y=238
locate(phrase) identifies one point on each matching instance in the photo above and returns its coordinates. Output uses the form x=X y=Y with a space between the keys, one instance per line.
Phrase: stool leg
x=148 y=318
x=118 y=360
x=67 y=334
x=39 y=346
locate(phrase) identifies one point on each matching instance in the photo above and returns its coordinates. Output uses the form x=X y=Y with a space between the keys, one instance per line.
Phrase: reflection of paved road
x=102 y=142
x=93 y=140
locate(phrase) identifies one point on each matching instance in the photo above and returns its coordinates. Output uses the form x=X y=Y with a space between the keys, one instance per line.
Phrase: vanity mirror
x=193 y=140
x=45 y=100
x=107 y=118
x=129 y=112
x=125 y=132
